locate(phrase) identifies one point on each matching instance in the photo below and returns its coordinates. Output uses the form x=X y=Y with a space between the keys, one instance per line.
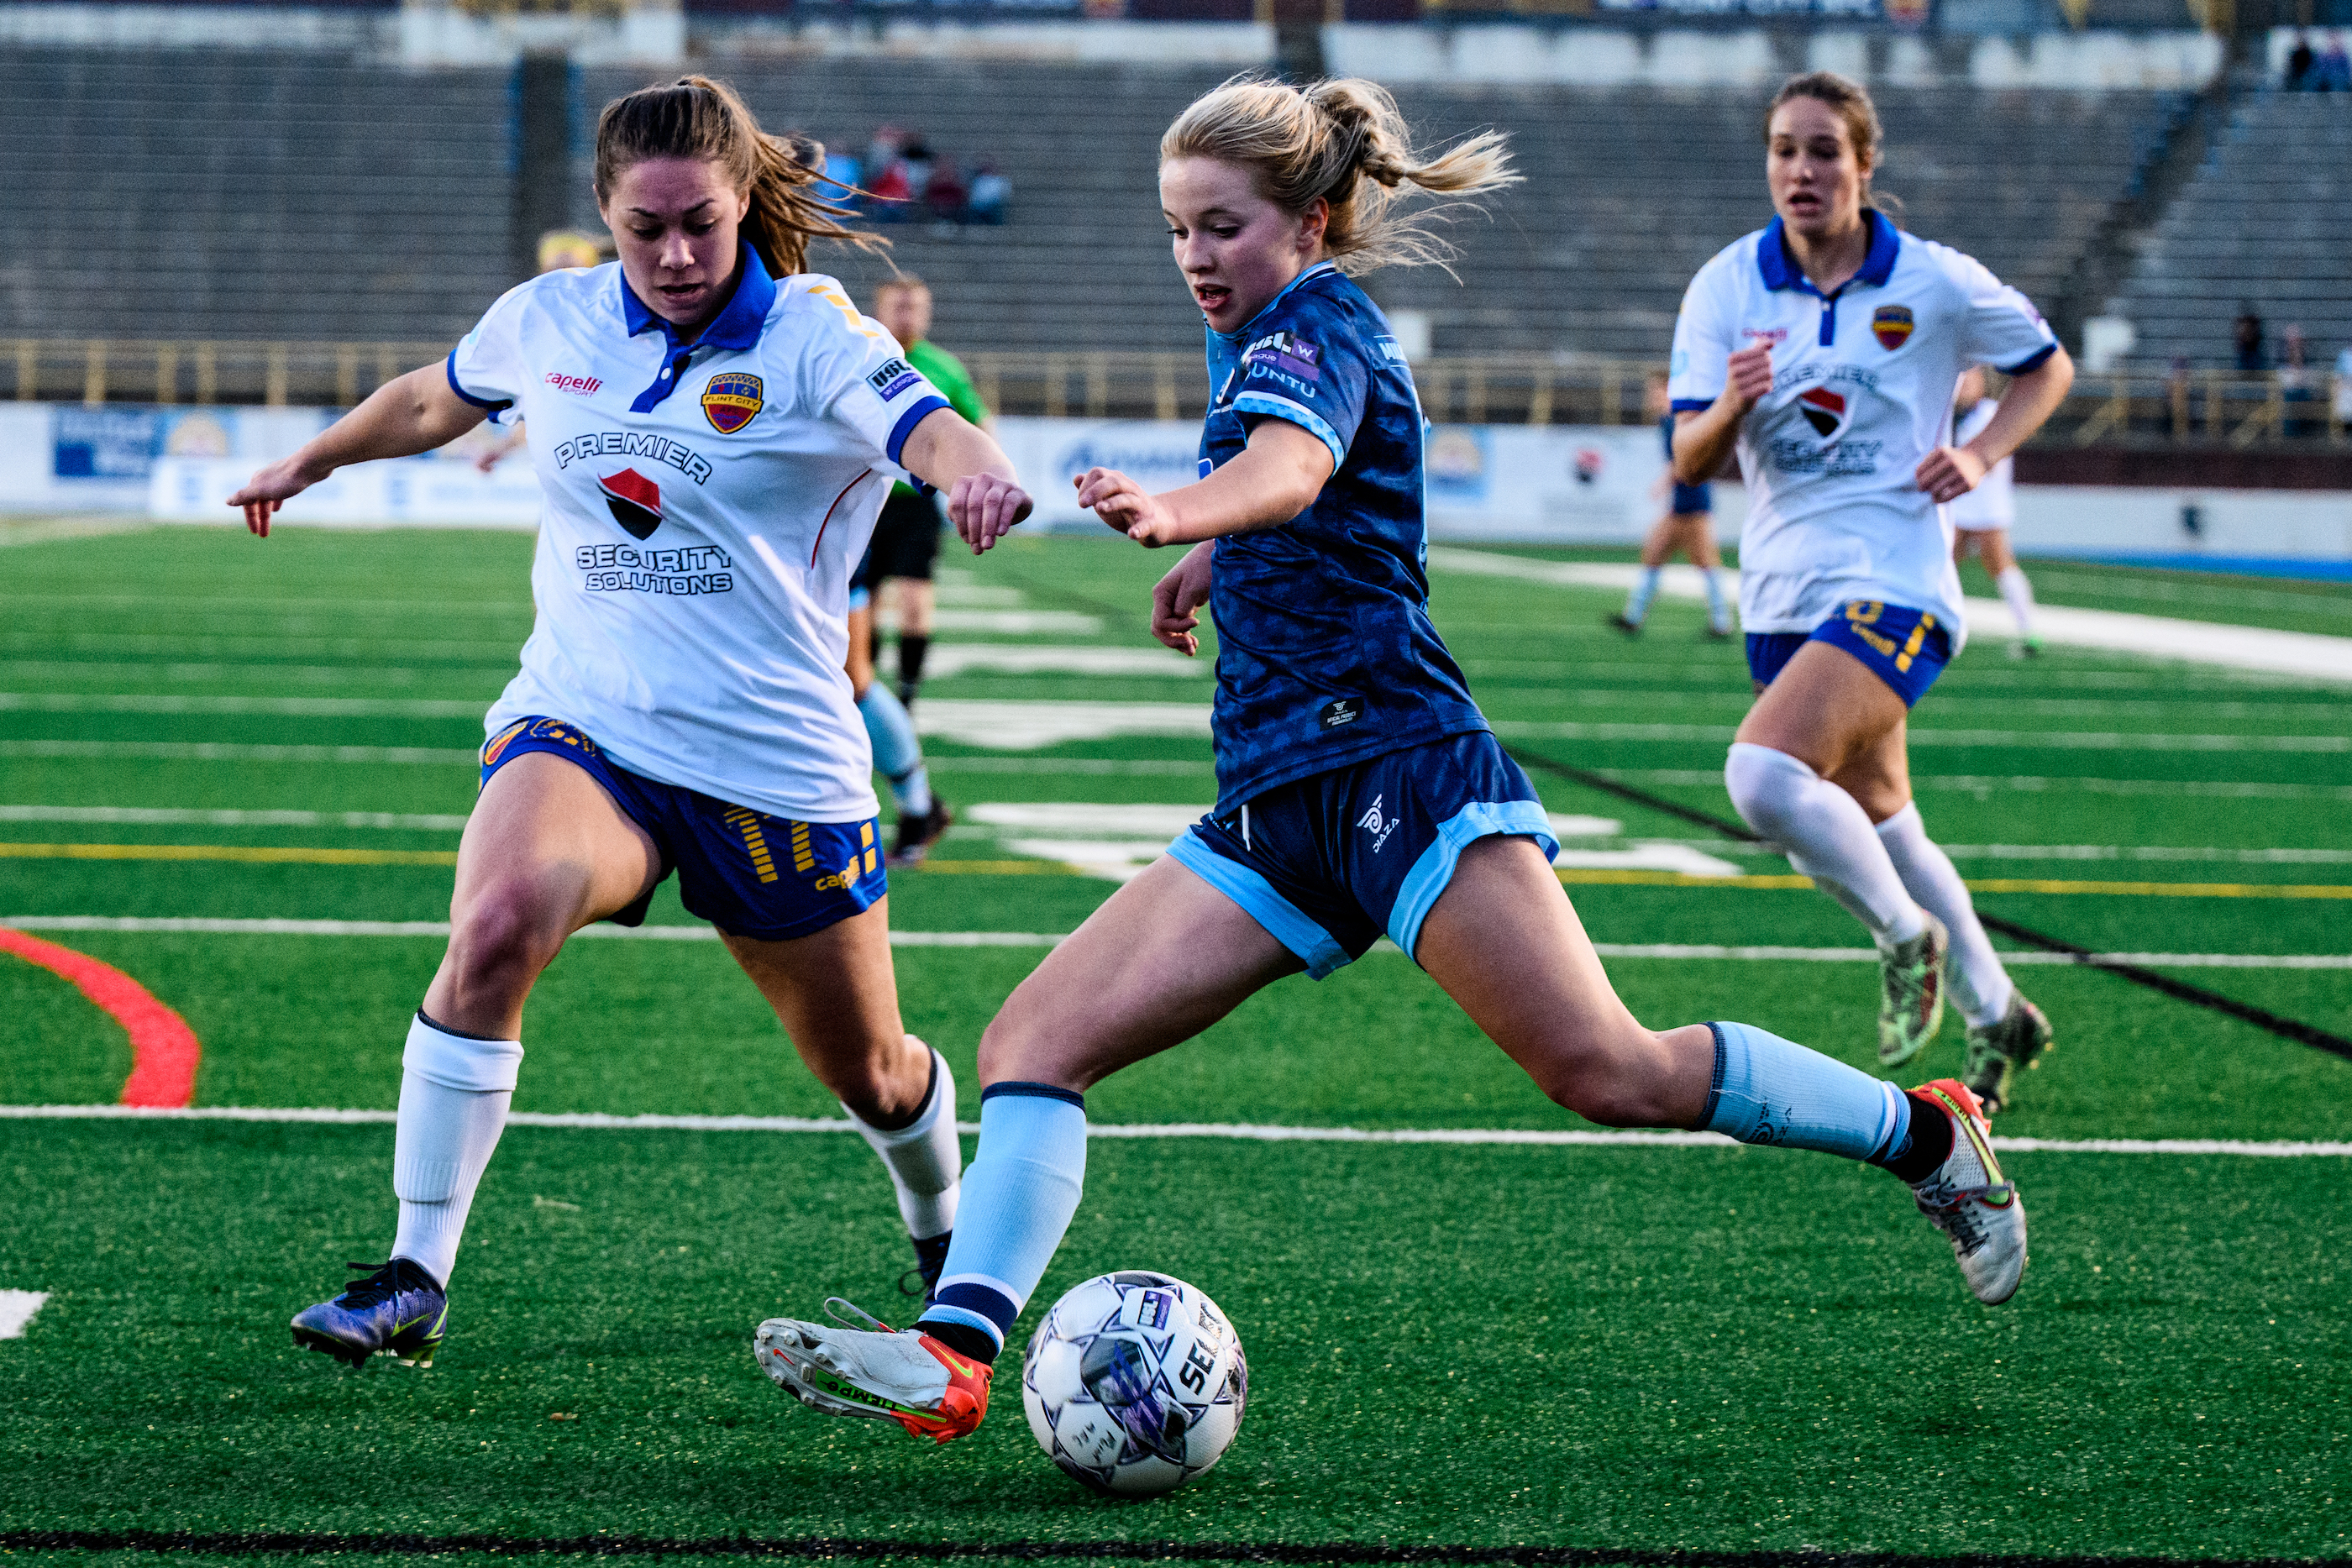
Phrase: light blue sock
x=1019 y=1193
x=1645 y=588
x=1772 y=1090
x=1718 y=613
x=897 y=752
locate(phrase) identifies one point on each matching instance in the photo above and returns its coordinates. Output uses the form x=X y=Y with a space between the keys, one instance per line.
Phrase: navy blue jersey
x=1687 y=498
x=1326 y=654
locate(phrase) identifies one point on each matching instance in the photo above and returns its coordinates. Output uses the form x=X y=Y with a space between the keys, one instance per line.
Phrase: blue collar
x=738 y=322
x=1317 y=270
x=1779 y=270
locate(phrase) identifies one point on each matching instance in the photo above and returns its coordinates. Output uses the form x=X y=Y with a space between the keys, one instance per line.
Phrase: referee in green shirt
x=907 y=539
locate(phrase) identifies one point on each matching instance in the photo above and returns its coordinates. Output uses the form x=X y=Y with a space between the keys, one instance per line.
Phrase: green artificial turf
x=1484 y=1346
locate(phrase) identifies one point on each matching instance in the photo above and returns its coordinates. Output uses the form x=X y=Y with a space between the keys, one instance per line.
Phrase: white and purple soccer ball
x=1134 y=1383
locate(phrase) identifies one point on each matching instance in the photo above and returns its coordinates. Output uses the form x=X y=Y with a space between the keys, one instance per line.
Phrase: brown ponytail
x=695 y=117
x=1344 y=141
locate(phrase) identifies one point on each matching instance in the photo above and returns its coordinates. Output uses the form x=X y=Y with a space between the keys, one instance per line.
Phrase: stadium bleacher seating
x=2266 y=222
x=186 y=194
x=276 y=196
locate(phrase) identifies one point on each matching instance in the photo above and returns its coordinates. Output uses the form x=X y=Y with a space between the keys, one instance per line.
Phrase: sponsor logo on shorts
x=894 y=377
x=1377 y=823
x=500 y=742
x=1341 y=711
x=1891 y=324
x=730 y=400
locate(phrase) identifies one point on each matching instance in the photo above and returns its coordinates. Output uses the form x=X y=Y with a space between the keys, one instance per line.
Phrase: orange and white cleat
x=1969 y=1200
x=910 y=1378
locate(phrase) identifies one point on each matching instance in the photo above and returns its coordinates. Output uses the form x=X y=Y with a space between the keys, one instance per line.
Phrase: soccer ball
x=1134 y=1383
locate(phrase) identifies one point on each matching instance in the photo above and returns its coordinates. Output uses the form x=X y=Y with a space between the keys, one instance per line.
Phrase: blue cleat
x=399 y=1311
x=931 y=1257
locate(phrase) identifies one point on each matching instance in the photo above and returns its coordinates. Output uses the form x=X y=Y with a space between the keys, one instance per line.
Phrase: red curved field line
x=163 y=1048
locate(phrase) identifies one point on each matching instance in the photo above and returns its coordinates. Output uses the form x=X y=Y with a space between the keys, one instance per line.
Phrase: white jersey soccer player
x=1982 y=519
x=1824 y=349
x=714 y=430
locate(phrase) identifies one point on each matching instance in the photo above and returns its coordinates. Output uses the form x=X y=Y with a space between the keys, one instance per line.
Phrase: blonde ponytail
x=1344 y=141
x=695 y=117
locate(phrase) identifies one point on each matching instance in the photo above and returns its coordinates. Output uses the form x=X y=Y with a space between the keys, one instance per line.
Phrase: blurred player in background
x=1983 y=518
x=923 y=817
x=713 y=431
x=907 y=540
x=1689 y=527
x=1360 y=790
x=1825 y=348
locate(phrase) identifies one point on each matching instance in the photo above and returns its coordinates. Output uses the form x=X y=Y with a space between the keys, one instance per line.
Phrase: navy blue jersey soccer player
x=1360 y=790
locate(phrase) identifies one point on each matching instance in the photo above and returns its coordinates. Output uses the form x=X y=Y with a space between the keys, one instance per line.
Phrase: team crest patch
x=634 y=499
x=1823 y=410
x=1891 y=324
x=730 y=401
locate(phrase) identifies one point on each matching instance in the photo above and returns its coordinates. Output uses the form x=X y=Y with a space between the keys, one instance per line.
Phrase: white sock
x=1826 y=834
x=2018 y=594
x=1718 y=613
x=454 y=1094
x=925 y=1158
x=1980 y=985
x=1645 y=588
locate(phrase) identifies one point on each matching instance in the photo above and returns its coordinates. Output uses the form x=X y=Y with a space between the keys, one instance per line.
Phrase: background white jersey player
x=1825 y=347
x=715 y=432
x=1981 y=519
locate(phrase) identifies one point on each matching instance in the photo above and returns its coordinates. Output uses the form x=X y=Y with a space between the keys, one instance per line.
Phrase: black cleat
x=1630 y=628
x=918 y=834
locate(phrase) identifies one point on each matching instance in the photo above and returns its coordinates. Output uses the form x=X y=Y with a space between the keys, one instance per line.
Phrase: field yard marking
x=163 y=1048
x=1079 y=659
x=17 y=1309
x=1016 y=622
x=2151 y=637
x=281 y=707
x=238 y=751
x=1986 y=885
x=2005 y=739
x=1244 y=1132
x=397 y=822
x=2025 y=783
x=1032 y=725
x=255 y=854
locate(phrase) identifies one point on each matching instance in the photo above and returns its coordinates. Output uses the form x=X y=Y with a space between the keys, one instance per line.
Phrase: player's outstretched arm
x=407 y=416
x=1704 y=437
x=1277 y=477
x=1950 y=472
x=963 y=462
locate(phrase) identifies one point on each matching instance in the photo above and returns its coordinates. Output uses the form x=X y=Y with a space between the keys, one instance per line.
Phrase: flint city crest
x=1891 y=324
x=730 y=400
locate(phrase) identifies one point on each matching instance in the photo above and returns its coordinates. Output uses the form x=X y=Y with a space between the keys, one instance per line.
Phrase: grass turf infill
x=2171 y=986
x=822 y=1547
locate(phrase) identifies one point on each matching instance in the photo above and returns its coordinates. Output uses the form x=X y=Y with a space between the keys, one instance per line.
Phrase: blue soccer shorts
x=1329 y=863
x=1904 y=648
x=748 y=873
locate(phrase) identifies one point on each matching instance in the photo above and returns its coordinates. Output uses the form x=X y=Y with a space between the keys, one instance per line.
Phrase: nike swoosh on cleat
x=961 y=1368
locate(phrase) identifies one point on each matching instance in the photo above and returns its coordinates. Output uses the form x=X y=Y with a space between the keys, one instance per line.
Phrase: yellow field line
x=248 y=853
x=1573 y=876
x=1987 y=884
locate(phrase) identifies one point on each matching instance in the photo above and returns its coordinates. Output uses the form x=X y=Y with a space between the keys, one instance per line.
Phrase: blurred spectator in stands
x=2342 y=388
x=2296 y=382
x=883 y=150
x=918 y=160
x=992 y=193
x=2247 y=351
x=842 y=173
x=890 y=191
x=2299 y=61
x=2333 y=72
x=944 y=194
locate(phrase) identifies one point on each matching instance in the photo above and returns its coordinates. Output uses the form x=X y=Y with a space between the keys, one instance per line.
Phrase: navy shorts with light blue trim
x=747 y=873
x=1904 y=648
x=1329 y=863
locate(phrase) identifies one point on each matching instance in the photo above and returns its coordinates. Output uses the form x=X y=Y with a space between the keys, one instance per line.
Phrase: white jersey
x=706 y=504
x=1862 y=391
x=1993 y=503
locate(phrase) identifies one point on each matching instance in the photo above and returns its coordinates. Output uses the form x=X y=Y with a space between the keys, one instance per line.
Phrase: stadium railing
x=2125 y=408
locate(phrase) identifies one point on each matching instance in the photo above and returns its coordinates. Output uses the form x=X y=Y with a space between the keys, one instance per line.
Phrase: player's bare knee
x=504 y=932
x=1622 y=1082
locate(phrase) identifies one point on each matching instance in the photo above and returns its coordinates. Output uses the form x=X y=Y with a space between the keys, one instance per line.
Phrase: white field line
x=228 y=926
x=2072 y=852
x=1016 y=622
x=1033 y=658
x=1240 y=1131
x=282 y=707
x=402 y=822
x=1032 y=725
x=235 y=751
x=2151 y=637
x=17 y=1309
x=2006 y=739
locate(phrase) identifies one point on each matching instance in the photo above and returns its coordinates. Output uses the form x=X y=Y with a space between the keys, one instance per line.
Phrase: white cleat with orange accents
x=1969 y=1200
x=910 y=1378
